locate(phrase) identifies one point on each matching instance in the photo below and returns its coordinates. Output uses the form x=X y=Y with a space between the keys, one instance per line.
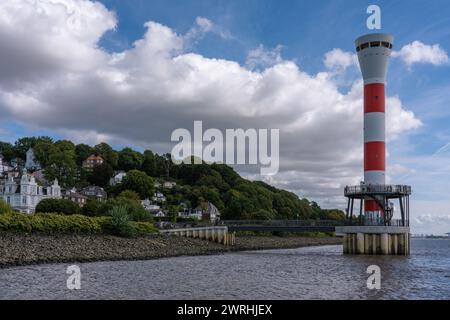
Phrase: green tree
x=130 y=159
x=101 y=175
x=57 y=206
x=62 y=166
x=129 y=194
x=22 y=145
x=139 y=182
x=7 y=150
x=82 y=152
x=149 y=163
x=107 y=153
x=43 y=150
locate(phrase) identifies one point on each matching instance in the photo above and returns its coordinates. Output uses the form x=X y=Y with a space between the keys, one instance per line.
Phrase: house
x=190 y=214
x=117 y=178
x=169 y=184
x=39 y=176
x=4 y=165
x=153 y=209
x=159 y=197
x=149 y=206
x=24 y=193
x=157 y=185
x=95 y=192
x=208 y=212
x=17 y=163
x=448 y=234
x=74 y=196
x=92 y=161
x=31 y=163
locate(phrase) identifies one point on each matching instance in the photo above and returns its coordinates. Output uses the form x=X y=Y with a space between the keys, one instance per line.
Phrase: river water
x=304 y=273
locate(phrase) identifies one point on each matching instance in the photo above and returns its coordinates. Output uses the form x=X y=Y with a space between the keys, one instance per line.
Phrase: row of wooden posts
x=214 y=234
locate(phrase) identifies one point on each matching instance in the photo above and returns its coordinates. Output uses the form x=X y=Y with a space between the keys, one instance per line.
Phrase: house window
x=25 y=189
x=24 y=200
x=8 y=200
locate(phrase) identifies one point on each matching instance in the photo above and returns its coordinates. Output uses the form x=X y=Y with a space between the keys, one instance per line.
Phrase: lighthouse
x=374 y=51
x=378 y=229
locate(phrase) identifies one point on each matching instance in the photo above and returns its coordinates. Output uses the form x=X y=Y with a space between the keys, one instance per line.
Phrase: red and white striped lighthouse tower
x=374 y=51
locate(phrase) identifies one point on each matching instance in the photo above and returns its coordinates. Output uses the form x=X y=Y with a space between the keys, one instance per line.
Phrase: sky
x=130 y=72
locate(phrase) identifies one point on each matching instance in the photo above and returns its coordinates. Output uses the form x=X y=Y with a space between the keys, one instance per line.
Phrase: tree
x=130 y=159
x=43 y=150
x=22 y=145
x=58 y=206
x=82 y=152
x=7 y=150
x=132 y=195
x=139 y=182
x=107 y=153
x=62 y=166
x=149 y=163
x=101 y=175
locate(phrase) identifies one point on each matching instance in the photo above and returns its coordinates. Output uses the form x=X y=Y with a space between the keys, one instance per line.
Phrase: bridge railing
x=377 y=189
x=356 y=221
x=284 y=223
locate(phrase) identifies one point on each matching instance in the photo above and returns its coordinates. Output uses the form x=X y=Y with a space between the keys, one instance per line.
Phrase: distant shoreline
x=32 y=249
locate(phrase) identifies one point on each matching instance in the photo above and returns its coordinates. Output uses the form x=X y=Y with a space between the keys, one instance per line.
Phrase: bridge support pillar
x=375 y=240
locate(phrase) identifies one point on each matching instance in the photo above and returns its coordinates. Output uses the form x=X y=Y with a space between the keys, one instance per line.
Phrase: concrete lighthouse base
x=375 y=240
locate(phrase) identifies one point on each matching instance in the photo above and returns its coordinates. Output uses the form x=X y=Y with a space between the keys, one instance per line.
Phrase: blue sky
x=305 y=31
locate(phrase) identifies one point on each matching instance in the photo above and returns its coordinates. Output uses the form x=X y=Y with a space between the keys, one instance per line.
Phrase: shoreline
x=34 y=249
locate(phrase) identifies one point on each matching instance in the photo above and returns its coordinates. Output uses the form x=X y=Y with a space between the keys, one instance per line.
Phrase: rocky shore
x=27 y=249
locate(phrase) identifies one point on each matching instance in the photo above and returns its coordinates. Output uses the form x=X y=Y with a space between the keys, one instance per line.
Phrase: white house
x=169 y=184
x=159 y=197
x=208 y=211
x=31 y=163
x=117 y=178
x=24 y=194
x=4 y=165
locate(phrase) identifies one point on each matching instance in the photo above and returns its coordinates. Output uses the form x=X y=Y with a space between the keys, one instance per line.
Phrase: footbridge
x=284 y=225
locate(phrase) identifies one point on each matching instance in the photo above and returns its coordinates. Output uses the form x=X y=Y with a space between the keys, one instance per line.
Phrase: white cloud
x=418 y=52
x=431 y=224
x=58 y=78
x=262 y=58
x=338 y=60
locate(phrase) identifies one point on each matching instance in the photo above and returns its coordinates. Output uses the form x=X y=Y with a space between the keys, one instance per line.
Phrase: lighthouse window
x=385 y=44
x=375 y=44
x=364 y=46
x=390 y=45
x=358 y=49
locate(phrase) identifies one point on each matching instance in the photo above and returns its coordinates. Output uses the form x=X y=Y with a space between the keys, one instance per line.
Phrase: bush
x=135 y=210
x=50 y=223
x=119 y=223
x=53 y=223
x=58 y=205
x=4 y=207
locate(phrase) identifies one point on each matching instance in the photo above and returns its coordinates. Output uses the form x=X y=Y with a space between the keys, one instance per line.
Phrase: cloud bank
x=55 y=76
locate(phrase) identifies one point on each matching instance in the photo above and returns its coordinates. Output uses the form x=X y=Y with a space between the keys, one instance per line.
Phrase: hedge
x=53 y=223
